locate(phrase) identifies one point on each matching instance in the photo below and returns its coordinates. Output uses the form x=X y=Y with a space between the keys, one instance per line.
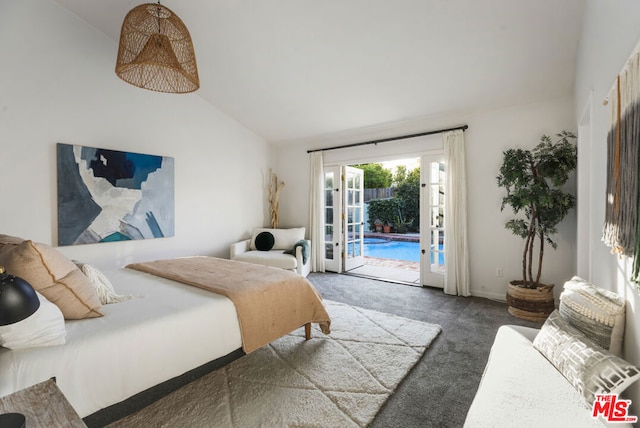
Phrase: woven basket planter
x=533 y=304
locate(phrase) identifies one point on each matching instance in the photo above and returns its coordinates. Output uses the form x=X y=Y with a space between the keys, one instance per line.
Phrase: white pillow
x=591 y=369
x=106 y=293
x=284 y=238
x=45 y=327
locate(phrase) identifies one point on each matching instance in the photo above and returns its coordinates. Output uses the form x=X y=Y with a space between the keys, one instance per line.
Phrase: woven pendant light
x=156 y=51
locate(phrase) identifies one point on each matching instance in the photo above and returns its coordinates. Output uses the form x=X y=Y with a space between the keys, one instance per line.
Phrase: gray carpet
x=439 y=389
x=336 y=380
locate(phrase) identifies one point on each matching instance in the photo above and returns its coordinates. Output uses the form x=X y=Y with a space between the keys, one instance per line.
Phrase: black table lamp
x=18 y=300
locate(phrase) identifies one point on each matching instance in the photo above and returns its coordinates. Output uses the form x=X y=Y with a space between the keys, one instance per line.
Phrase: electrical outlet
x=498 y=271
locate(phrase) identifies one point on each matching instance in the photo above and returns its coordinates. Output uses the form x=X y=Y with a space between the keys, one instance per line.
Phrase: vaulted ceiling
x=295 y=69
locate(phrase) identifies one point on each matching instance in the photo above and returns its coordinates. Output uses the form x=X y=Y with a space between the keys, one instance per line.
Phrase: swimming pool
x=395 y=250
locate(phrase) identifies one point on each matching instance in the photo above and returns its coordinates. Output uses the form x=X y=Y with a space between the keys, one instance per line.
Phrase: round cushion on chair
x=265 y=241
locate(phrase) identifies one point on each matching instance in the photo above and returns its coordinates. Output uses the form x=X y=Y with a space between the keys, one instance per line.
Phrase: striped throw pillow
x=598 y=313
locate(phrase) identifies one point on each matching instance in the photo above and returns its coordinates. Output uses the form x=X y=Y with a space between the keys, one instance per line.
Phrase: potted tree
x=533 y=180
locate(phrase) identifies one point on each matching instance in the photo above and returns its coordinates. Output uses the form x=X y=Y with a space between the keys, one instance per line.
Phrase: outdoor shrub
x=386 y=210
x=409 y=193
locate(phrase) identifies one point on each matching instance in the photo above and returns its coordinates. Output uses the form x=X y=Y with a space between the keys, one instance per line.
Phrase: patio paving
x=388 y=269
x=411 y=237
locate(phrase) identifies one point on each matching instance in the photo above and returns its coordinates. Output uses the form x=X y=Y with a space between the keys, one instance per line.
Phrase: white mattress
x=137 y=344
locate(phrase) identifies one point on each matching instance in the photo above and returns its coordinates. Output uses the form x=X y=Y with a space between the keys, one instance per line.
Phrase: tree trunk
x=540 y=255
x=530 y=241
x=524 y=259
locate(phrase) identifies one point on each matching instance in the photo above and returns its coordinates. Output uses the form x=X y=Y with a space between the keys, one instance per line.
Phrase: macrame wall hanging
x=621 y=228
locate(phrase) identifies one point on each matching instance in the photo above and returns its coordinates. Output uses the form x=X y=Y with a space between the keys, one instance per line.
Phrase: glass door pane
x=332 y=219
x=328 y=218
x=432 y=218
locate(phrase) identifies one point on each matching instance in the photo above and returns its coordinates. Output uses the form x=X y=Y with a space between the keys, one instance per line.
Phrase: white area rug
x=339 y=380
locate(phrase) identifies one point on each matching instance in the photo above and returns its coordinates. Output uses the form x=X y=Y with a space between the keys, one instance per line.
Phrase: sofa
x=282 y=248
x=550 y=377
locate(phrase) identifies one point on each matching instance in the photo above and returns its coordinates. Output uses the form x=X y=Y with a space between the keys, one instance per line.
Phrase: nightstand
x=43 y=405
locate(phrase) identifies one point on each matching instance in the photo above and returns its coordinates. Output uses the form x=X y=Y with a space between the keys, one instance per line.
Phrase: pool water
x=395 y=250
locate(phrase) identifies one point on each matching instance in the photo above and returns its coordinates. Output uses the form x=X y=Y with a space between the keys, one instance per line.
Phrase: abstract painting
x=108 y=195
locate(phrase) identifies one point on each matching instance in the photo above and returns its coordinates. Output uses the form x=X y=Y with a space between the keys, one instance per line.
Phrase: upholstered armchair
x=282 y=248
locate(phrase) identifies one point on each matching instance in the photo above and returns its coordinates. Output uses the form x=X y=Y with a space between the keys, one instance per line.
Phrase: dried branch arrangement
x=274 y=197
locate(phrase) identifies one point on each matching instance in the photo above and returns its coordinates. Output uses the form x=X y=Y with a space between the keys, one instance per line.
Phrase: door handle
x=423 y=251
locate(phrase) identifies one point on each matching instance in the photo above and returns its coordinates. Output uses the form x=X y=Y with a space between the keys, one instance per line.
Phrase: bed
x=167 y=328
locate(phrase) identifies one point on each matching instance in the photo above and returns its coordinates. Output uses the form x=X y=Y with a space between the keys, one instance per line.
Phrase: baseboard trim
x=501 y=297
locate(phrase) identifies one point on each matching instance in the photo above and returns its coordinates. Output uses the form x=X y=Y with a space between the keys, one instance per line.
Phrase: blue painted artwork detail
x=108 y=195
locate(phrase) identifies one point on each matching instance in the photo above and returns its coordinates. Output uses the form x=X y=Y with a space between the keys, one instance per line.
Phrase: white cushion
x=275 y=258
x=284 y=238
x=521 y=388
x=45 y=327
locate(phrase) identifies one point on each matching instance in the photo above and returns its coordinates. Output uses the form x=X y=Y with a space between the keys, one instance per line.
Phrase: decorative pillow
x=55 y=277
x=589 y=368
x=284 y=238
x=596 y=312
x=45 y=327
x=104 y=288
x=7 y=242
x=264 y=241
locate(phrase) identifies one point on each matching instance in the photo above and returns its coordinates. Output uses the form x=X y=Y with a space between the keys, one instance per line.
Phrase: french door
x=344 y=218
x=432 y=218
x=353 y=217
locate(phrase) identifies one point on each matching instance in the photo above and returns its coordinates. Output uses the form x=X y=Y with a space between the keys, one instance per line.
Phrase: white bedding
x=137 y=344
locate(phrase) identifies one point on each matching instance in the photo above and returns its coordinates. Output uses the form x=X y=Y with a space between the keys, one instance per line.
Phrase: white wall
x=489 y=133
x=609 y=34
x=57 y=84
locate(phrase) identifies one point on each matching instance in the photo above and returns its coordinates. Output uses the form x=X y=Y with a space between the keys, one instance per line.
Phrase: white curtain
x=316 y=212
x=456 y=251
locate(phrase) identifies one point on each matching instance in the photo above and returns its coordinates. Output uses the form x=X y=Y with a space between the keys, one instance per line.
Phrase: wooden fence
x=381 y=193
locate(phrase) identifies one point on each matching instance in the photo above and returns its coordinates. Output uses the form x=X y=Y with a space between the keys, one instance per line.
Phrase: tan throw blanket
x=270 y=302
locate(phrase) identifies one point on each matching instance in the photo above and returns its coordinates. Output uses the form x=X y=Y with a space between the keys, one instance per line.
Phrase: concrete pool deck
x=388 y=269
x=393 y=270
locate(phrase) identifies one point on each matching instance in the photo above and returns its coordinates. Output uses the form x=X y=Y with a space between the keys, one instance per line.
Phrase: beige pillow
x=55 y=277
x=7 y=243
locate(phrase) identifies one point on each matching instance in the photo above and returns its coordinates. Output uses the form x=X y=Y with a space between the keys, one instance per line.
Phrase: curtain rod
x=384 y=140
